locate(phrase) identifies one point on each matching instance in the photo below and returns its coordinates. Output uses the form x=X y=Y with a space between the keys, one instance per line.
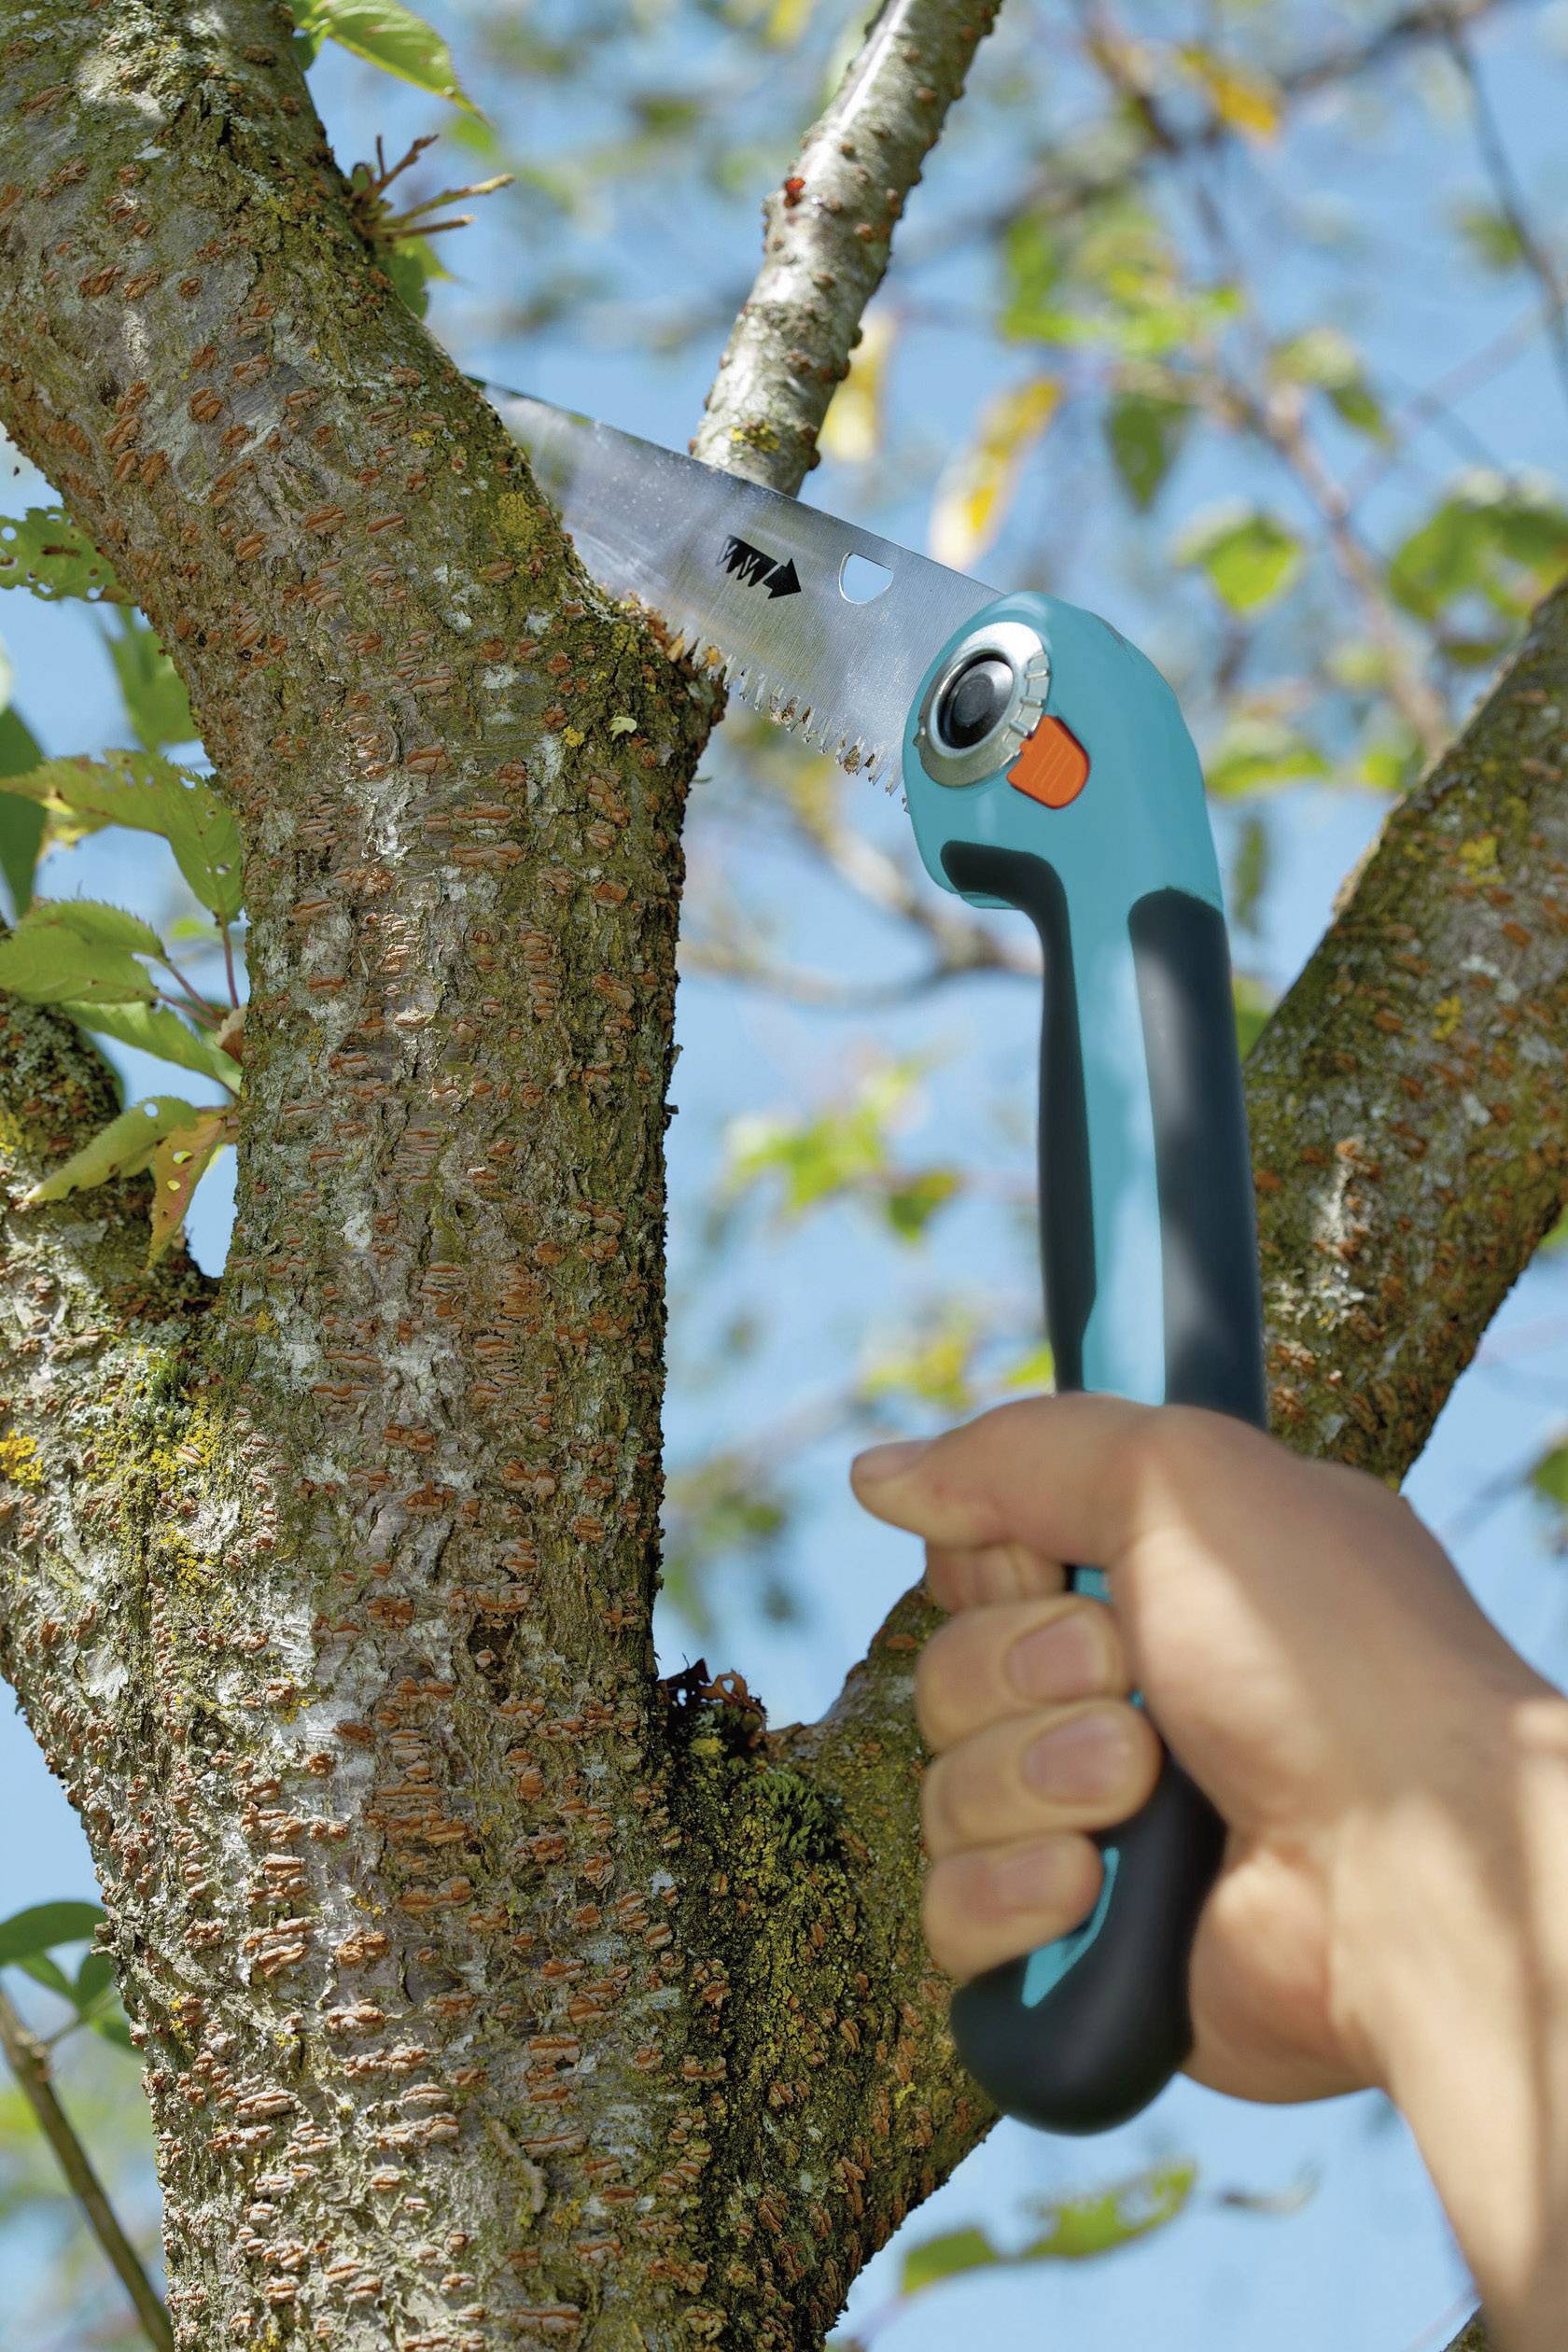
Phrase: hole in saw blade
x=861 y=579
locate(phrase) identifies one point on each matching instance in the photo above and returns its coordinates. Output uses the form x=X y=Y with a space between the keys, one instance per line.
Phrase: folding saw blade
x=764 y=580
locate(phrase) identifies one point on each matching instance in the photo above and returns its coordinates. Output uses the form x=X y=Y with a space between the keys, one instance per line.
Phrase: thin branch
x=1063 y=187
x=828 y=235
x=1510 y=201
x=26 y=2055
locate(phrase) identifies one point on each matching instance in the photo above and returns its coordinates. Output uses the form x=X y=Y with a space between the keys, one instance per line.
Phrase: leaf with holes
x=151 y=795
x=178 y=1166
x=54 y=965
x=1079 y=2228
x=42 y=549
x=123 y=1148
x=154 y=1029
x=385 y=34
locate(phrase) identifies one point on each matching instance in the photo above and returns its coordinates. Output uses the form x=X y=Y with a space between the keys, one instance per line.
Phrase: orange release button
x=1053 y=766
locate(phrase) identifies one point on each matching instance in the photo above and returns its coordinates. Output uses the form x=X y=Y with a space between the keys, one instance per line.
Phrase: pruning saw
x=1046 y=768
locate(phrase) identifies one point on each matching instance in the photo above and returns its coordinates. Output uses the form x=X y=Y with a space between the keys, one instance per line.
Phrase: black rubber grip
x=1108 y=2034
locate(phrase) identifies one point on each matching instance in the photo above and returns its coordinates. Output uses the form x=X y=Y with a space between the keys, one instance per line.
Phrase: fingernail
x=1059 y=1661
x=886 y=1462
x=1086 y=1758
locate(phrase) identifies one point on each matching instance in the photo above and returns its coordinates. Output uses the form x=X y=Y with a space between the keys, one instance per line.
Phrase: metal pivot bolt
x=983 y=705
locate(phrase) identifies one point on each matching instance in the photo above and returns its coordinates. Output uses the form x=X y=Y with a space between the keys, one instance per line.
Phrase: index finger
x=1060 y=1473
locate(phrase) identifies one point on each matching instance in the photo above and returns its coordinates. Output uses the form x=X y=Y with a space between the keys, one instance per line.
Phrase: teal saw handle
x=1150 y=1259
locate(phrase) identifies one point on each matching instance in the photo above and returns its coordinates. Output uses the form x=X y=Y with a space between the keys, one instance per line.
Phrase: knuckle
x=937 y=1684
x=942 y=1918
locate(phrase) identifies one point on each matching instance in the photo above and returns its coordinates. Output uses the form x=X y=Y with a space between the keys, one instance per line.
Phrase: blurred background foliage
x=1243 y=321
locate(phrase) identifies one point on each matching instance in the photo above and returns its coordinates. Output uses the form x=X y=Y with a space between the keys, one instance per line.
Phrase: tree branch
x=827 y=235
x=28 y=2063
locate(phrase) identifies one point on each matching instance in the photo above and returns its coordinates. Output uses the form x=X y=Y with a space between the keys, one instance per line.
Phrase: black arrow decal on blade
x=759 y=570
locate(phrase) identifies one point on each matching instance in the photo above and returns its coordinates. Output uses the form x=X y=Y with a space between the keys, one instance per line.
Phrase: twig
x=827 y=236
x=1510 y=201
x=1060 y=189
x=28 y=2063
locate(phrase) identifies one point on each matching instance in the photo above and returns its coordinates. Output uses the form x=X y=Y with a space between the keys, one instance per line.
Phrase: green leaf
x=912 y=1203
x=384 y=34
x=95 y=1979
x=47 y=1972
x=1505 y=542
x=1492 y=237
x=101 y=925
x=1257 y=751
x=45 y=552
x=1032 y=263
x=410 y=265
x=1549 y=1480
x=1250 y=555
x=1082 y=2227
x=115 y=2026
x=1143 y=433
x=22 y=826
x=947 y=2257
x=123 y=1148
x=1249 y=873
x=156 y=701
x=1327 y=359
x=51 y=965
x=154 y=1029
x=44 y=1925
x=151 y=795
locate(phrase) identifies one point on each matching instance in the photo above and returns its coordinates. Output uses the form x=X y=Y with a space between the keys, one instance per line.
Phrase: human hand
x=1304 y=1645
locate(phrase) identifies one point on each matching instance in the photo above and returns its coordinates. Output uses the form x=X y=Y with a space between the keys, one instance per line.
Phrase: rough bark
x=827 y=233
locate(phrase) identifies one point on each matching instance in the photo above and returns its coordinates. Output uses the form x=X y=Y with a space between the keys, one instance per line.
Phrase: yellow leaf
x=852 y=427
x=178 y=1165
x=1240 y=95
x=978 y=485
x=788 y=20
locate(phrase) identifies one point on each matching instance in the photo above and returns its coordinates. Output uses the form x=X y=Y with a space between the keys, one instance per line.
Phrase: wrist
x=1444 y=1892
x=1455 y=1981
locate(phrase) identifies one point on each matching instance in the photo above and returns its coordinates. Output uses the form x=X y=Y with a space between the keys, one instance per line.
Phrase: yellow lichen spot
x=18 y=1460
x=1479 y=856
x=572 y=735
x=521 y=521
x=1449 y=1012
